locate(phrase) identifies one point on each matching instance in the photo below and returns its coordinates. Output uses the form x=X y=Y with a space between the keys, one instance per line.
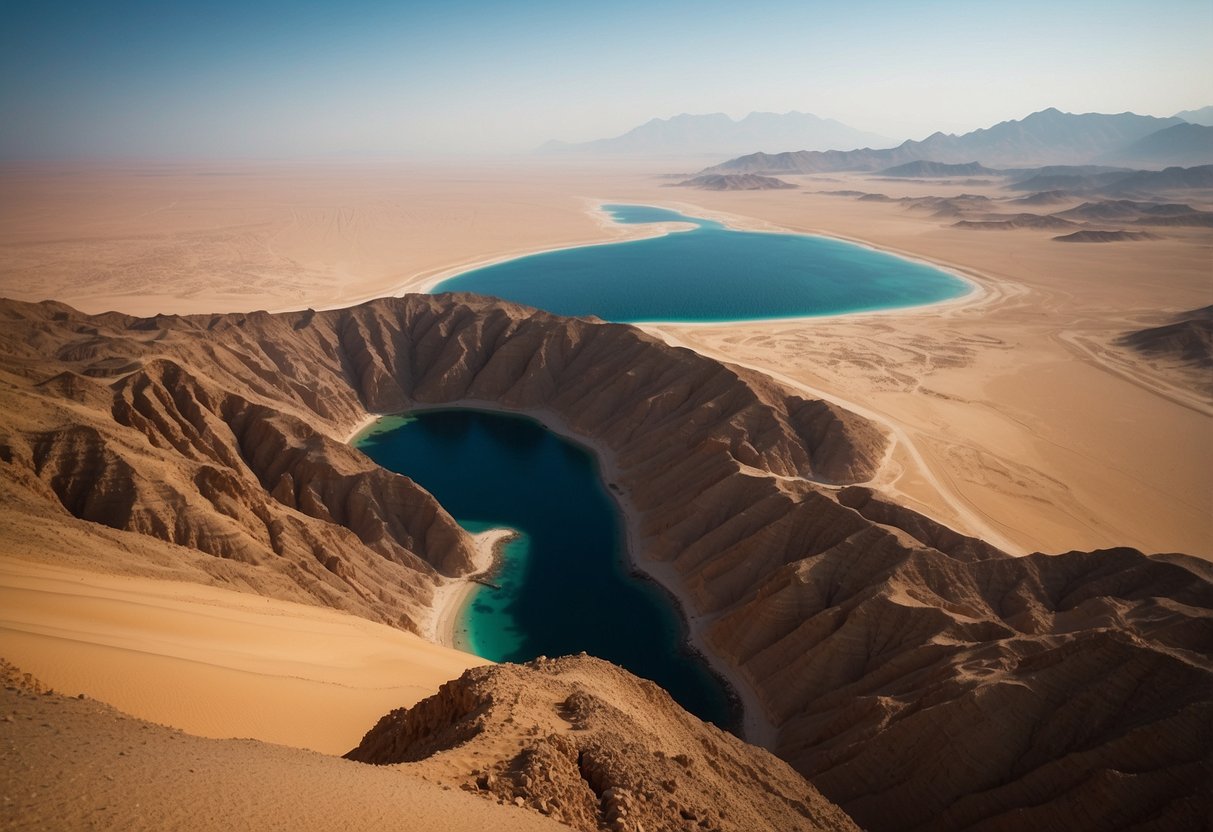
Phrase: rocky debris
x=584 y=742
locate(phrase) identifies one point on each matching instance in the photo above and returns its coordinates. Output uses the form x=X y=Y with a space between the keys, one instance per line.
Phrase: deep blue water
x=565 y=585
x=710 y=273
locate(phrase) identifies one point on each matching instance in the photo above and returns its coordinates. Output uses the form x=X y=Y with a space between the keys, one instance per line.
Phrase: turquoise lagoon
x=710 y=273
x=565 y=585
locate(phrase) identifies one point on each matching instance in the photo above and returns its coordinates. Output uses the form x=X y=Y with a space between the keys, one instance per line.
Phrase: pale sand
x=452 y=596
x=362 y=424
x=211 y=661
x=1015 y=418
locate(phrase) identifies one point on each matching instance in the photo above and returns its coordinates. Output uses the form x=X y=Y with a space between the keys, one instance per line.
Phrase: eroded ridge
x=918 y=677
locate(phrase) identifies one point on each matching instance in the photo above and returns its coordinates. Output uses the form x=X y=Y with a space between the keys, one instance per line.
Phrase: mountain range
x=916 y=678
x=1204 y=116
x=1048 y=137
x=718 y=134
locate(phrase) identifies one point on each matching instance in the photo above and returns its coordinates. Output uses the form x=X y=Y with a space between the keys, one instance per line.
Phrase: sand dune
x=71 y=764
x=214 y=662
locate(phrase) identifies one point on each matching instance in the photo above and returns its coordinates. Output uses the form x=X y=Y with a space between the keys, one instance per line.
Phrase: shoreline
x=980 y=286
x=453 y=594
x=359 y=428
x=983 y=288
x=756 y=727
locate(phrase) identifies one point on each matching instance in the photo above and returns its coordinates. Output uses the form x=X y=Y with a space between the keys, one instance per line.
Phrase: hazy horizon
x=282 y=80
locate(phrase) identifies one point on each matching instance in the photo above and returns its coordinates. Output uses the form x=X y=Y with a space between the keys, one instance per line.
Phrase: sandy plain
x=1015 y=417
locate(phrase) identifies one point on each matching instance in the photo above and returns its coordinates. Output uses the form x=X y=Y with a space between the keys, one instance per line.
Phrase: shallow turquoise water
x=710 y=273
x=565 y=586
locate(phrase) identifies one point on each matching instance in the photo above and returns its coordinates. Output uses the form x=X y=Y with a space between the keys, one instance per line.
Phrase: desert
x=1043 y=342
x=408 y=419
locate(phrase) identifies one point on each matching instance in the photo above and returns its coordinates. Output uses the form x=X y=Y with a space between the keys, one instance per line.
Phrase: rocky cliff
x=917 y=677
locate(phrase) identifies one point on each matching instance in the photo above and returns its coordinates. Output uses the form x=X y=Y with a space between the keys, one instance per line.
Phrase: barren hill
x=925 y=169
x=1188 y=340
x=1180 y=144
x=1118 y=183
x=918 y=678
x=587 y=743
x=735 y=182
x=1096 y=236
x=1011 y=222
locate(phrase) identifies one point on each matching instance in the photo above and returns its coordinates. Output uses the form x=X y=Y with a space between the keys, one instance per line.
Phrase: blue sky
x=289 y=79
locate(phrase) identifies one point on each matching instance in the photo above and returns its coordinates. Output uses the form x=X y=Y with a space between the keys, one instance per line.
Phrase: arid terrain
x=842 y=505
x=1018 y=416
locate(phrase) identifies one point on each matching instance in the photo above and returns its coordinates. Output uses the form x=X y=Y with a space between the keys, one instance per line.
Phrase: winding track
x=975 y=521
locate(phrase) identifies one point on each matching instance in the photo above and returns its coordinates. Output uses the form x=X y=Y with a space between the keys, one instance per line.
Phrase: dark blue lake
x=710 y=273
x=565 y=584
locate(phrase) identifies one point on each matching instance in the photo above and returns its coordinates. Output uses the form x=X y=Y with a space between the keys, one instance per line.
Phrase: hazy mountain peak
x=717 y=134
x=1202 y=115
x=1046 y=137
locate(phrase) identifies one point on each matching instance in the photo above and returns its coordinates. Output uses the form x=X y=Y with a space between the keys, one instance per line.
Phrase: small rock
x=519 y=802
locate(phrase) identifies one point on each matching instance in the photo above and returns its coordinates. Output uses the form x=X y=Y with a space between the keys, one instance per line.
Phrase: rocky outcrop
x=1181 y=348
x=1187 y=340
x=588 y=744
x=1013 y=222
x=735 y=182
x=918 y=677
x=1096 y=236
